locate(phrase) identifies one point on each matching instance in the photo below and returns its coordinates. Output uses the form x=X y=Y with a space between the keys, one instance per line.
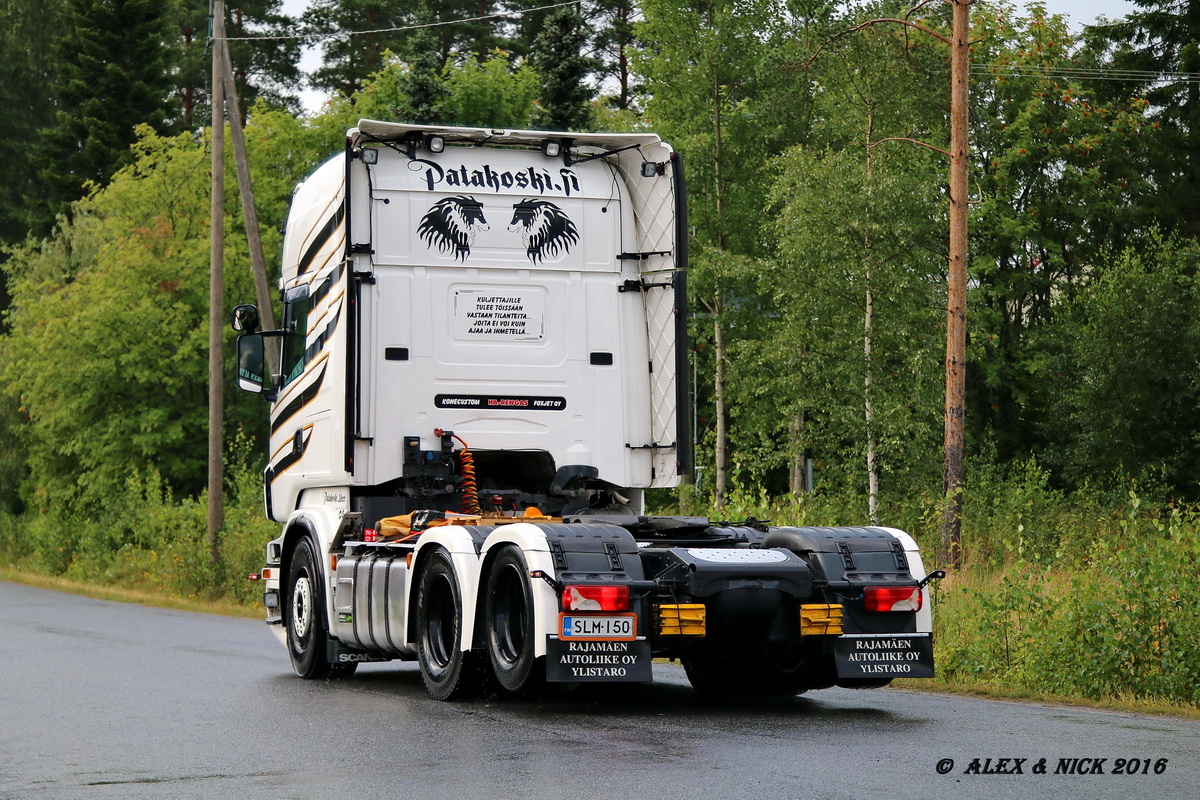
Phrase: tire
x=448 y=672
x=712 y=674
x=304 y=617
x=508 y=617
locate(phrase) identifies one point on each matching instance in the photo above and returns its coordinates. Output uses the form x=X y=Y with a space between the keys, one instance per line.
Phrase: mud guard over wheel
x=304 y=617
x=508 y=616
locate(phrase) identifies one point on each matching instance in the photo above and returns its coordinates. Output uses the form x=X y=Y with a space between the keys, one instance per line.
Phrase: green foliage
x=1121 y=625
x=105 y=355
x=1125 y=356
x=614 y=39
x=708 y=72
x=853 y=232
x=558 y=58
x=347 y=61
x=1156 y=47
x=490 y=92
x=113 y=72
x=12 y=458
x=150 y=540
x=26 y=32
x=1060 y=182
x=422 y=82
x=102 y=353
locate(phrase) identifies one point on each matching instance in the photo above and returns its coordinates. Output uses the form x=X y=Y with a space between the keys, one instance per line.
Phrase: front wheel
x=508 y=611
x=304 y=617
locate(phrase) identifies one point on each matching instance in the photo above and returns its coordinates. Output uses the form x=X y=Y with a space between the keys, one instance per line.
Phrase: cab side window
x=295 y=326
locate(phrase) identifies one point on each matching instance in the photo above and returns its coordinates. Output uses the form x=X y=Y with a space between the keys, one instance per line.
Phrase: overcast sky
x=1084 y=12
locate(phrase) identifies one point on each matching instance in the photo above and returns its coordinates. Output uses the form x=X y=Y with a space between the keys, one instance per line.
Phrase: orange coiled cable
x=470 y=489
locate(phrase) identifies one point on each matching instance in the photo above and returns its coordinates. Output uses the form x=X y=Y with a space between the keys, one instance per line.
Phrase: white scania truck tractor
x=482 y=365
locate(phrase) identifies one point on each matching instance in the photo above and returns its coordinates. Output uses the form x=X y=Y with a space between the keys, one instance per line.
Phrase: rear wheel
x=713 y=674
x=445 y=668
x=508 y=611
x=304 y=617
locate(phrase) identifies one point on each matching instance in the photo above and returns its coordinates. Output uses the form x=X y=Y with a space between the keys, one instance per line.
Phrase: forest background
x=818 y=209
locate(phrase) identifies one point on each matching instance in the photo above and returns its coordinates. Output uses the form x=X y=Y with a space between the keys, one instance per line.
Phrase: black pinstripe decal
x=322 y=239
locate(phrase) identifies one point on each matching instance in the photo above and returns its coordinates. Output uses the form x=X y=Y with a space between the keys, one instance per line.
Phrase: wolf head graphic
x=451 y=225
x=545 y=230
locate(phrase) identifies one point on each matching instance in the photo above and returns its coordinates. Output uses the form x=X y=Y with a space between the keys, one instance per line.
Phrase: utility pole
x=950 y=552
x=216 y=289
x=237 y=138
x=950 y=545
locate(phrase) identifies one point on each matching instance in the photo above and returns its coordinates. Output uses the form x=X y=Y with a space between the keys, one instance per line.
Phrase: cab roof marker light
x=892 y=598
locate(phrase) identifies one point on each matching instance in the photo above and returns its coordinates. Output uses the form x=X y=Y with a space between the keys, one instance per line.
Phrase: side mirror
x=251 y=362
x=245 y=319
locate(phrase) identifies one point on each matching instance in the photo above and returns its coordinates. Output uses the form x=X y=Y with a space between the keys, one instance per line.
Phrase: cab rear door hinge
x=642 y=256
x=631 y=285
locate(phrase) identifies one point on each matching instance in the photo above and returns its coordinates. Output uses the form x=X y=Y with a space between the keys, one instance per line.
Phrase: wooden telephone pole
x=950 y=552
x=216 y=289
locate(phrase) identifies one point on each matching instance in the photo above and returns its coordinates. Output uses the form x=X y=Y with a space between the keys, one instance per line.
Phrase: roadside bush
x=1119 y=621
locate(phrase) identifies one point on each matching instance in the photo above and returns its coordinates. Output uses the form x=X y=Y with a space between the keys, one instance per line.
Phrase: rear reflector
x=820 y=619
x=892 y=598
x=680 y=619
x=595 y=598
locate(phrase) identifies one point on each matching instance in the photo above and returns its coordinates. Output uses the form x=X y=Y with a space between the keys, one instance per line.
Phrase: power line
x=336 y=34
x=1087 y=74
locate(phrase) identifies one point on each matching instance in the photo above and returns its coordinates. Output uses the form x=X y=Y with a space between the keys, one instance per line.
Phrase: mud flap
x=890 y=655
x=570 y=661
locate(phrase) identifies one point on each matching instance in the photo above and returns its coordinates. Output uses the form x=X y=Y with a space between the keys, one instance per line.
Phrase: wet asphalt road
x=104 y=700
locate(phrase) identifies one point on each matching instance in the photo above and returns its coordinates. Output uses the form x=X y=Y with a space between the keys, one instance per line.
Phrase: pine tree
x=266 y=68
x=26 y=31
x=347 y=60
x=614 y=38
x=423 y=84
x=1163 y=39
x=528 y=21
x=113 y=60
x=558 y=58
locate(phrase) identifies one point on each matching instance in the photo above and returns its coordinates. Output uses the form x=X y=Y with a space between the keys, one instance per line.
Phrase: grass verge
x=135 y=596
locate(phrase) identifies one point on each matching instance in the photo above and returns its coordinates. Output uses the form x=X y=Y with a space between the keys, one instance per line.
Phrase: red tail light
x=595 y=598
x=892 y=598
